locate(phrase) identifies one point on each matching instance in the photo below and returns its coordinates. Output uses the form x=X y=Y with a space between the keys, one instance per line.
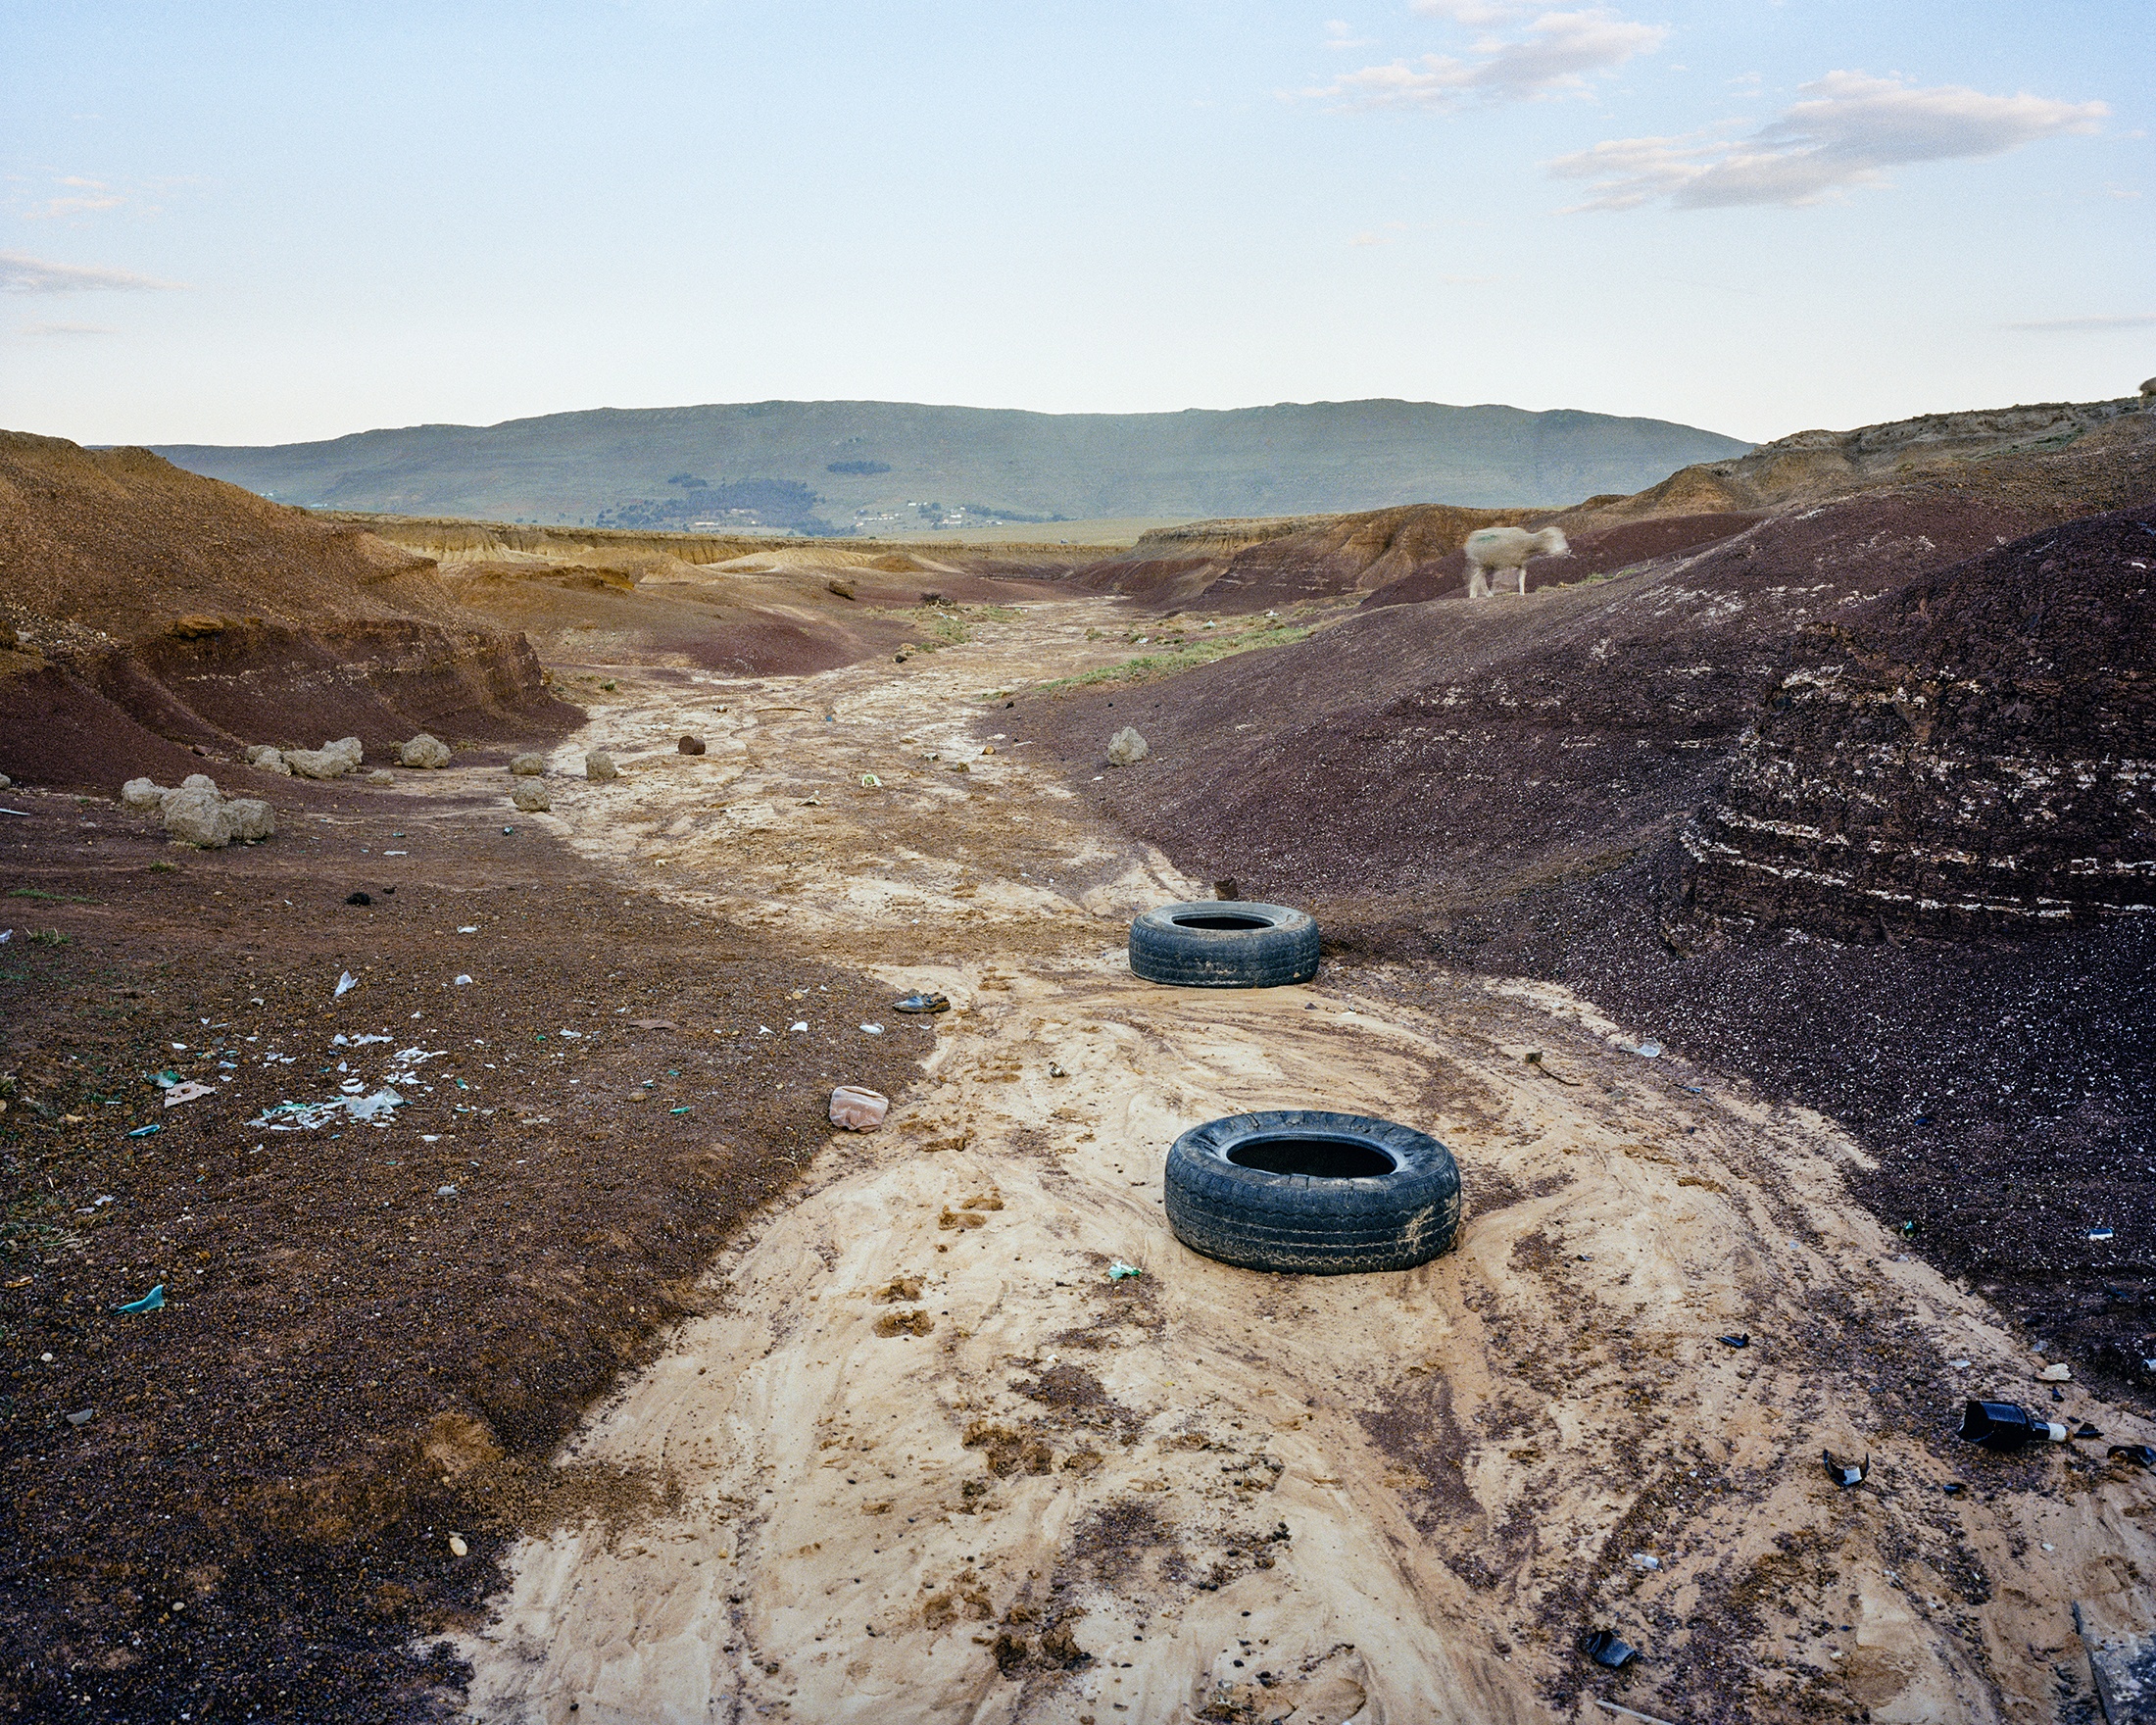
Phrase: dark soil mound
x=1968 y=755
x=139 y=597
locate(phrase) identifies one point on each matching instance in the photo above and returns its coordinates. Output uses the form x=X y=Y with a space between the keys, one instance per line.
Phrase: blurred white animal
x=1508 y=548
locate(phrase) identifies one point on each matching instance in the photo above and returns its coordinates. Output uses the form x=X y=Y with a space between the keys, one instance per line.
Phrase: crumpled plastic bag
x=858 y=1109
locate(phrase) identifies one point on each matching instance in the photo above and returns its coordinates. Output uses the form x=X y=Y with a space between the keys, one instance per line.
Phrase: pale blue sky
x=229 y=223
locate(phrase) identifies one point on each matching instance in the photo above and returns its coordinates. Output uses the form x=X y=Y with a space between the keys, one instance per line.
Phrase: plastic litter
x=462 y=981
x=859 y=1108
x=921 y=1003
x=653 y=1024
x=1953 y=1487
x=153 y=1301
x=1645 y=1560
x=677 y=1111
x=82 y=1416
x=2086 y=1430
x=2099 y=1233
x=445 y=1192
x=2139 y=1455
x=288 y=1116
x=1744 y=1341
x=456 y=1546
x=2006 y=1426
x=2061 y=1373
x=1119 y=1271
x=345 y=981
x=869 y=781
x=1651 y=1050
x=358 y=898
x=1604 y=1648
x=180 y=1093
x=145 y=1131
x=1846 y=1474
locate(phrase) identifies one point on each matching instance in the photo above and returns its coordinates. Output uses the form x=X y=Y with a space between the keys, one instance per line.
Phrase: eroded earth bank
x=919 y=1457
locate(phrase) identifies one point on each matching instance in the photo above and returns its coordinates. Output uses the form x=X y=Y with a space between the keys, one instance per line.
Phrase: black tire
x=1224 y=943
x=1344 y=1193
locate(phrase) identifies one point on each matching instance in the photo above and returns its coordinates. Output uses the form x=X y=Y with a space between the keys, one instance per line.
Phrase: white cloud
x=1848 y=132
x=66 y=331
x=81 y=197
x=25 y=275
x=2088 y=326
x=1520 y=58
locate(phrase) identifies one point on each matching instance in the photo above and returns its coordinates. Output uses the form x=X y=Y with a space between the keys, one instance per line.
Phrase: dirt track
x=922 y=1460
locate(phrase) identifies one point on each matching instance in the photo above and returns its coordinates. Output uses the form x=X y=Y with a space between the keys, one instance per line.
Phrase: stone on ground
x=528 y=766
x=268 y=758
x=251 y=818
x=195 y=815
x=381 y=775
x=598 y=765
x=424 y=750
x=142 y=794
x=530 y=796
x=691 y=745
x=1127 y=748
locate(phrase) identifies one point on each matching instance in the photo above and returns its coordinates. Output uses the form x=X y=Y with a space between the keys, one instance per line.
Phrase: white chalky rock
x=424 y=750
x=530 y=796
x=251 y=818
x=267 y=757
x=598 y=765
x=195 y=815
x=143 y=794
x=528 y=766
x=1127 y=748
x=381 y=775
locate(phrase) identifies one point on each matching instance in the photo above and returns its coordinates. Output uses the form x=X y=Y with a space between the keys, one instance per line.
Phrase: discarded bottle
x=1605 y=1649
x=2006 y=1426
x=2139 y=1455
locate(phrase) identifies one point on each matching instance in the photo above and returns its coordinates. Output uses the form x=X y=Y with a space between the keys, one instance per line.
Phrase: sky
x=260 y=224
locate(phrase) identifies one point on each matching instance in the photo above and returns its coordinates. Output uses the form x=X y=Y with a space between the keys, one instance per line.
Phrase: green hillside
x=885 y=467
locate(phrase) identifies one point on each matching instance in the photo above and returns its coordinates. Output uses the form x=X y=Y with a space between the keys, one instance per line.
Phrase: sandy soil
x=922 y=1460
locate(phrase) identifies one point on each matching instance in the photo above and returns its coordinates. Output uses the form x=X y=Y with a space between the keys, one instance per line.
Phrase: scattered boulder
x=142 y=794
x=599 y=766
x=839 y=586
x=196 y=627
x=424 y=750
x=267 y=757
x=691 y=745
x=252 y=820
x=330 y=761
x=381 y=775
x=5 y=781
x=530 y=796
x=195 y=815
x=528 y=766
x=1127 y=748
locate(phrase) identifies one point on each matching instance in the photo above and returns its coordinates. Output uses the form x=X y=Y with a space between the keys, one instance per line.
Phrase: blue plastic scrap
x=1119 y=1271
x=153 y=1301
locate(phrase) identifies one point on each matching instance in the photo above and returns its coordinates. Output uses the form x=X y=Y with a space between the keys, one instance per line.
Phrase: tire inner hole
x=1320 y=1159
x=1220 y=921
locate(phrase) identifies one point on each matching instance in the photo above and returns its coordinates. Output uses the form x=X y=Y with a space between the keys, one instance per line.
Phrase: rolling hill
x=892 y=467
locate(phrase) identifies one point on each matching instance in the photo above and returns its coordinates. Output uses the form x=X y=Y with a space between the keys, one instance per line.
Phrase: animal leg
x=1478 y=581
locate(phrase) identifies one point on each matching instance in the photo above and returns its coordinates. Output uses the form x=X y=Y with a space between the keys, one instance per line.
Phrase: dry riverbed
x=921 y=1459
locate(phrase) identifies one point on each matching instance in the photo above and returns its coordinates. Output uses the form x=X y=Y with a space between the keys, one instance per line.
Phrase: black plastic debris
x=2139 y=1455
x=1846 y=1474
x=1744 y=1341
x=358 y=898
x=921 y=1003
x=1605 y=1649
x=2086 y=1430
x=2006 y=1426
x=1953 y=1487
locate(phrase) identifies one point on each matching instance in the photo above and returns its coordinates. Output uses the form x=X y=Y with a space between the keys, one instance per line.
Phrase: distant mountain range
x=840 y=466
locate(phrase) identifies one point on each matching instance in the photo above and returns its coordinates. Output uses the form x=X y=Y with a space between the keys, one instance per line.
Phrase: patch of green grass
x=49 y=937
x=164 y=868
x=32 y=892
x=1185 y=655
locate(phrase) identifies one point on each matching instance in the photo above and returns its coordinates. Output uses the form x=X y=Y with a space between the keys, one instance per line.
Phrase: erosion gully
x=921 y=1459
